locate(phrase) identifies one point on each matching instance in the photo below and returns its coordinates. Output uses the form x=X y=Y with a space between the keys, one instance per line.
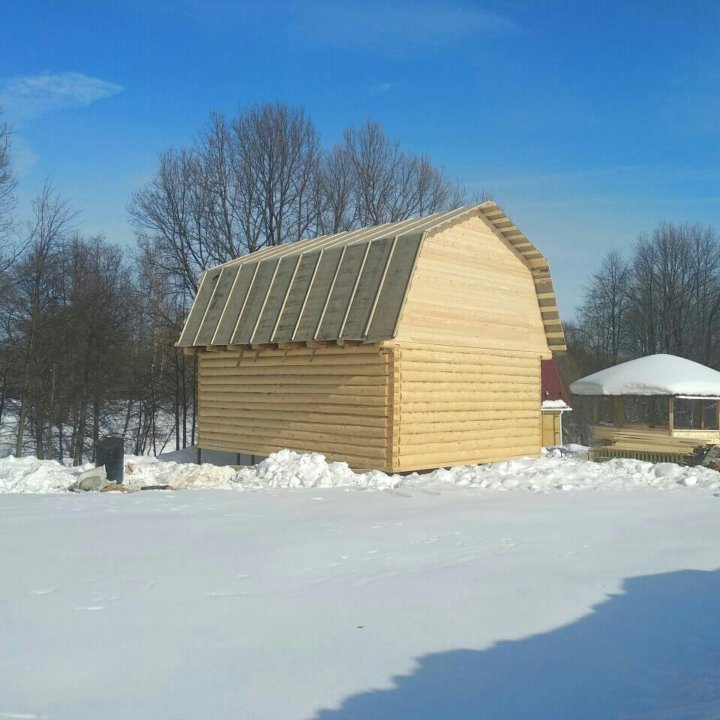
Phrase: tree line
x=88 y=326
x=663 y=297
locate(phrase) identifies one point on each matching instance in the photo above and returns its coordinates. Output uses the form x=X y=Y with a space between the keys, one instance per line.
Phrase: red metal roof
x=552 y=385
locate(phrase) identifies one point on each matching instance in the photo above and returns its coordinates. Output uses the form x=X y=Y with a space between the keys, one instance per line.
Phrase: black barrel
x=110 y=452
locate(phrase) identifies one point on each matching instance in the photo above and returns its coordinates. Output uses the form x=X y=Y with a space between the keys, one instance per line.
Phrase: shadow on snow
x=652 y=651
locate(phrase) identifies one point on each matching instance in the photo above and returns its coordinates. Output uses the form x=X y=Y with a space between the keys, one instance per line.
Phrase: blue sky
x=589 y=122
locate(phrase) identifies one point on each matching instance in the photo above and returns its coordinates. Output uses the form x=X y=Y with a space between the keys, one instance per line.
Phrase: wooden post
x=671 y=413
x=702 y=414
x=596 y=410
x=717 y=414
x=620 y=411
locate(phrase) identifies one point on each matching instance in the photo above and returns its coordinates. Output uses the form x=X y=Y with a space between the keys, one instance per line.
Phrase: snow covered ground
x=546 y=588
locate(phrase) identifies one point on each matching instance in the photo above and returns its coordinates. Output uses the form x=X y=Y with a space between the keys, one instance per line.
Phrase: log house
x=407 y=346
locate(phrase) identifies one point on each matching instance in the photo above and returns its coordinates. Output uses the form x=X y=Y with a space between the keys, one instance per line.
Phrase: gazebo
x=657 y=408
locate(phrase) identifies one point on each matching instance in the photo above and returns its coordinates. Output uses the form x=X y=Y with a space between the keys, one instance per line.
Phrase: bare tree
x=7 y=182
x=335 y=192
x=277 y=156
x=389 y=184
x=665 y=299
x=261 y=179
x=602 y=315
x=246 y=184
x=34 y=289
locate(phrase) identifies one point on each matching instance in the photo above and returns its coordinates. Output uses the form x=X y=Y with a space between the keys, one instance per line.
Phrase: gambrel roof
x=348 y=286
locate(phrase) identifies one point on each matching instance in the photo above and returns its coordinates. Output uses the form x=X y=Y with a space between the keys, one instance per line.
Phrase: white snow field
x=536 y=589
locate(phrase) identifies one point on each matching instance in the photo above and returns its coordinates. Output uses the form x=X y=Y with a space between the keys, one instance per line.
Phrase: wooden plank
x=197 y=312
x=432 y=350
x=308 y=442
x=284 y=389
x=295 y=414
x=296 y=381
x=450 y=414
x=419 y=461
x=344 y=399
x=275 y=300
x=277 y=428
x=298 y=370
x=317 y=297
x=448 y=377
x=235 y=304
x=367 y=289
x=216 y=306
x=296 y=296
x=255 y=302
x=441 y=395
x=341 y=294
x=391 y=297
x=259 y=405
x=358 y=462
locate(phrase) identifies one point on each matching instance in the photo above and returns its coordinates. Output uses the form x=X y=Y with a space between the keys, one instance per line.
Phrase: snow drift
x=288 y=469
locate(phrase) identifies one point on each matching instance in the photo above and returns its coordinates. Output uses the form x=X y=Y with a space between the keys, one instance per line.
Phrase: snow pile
x=550 y=473
x=30 y=475
x=556 y=471
x=288 y=469
x=142 y=471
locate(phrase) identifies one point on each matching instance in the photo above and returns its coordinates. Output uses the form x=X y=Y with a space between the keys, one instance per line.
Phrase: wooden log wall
x=550 y=428
x=333 y=400
x=458 y=406
x=471 y=288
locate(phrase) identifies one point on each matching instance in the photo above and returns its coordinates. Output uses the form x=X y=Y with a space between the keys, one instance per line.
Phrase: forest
x=88 y=326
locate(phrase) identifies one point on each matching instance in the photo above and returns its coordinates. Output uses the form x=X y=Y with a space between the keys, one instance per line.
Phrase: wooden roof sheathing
x=348 y=286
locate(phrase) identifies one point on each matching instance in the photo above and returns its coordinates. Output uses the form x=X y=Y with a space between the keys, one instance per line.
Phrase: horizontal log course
x=470 y=438
x=355 y=461
x=428 y=336
x=309 y=400
x=478 y=425
x=293 y=414
x=273 y=428
x=286 y=390
x=264 y=383
x=516 y=387
x=470 y=402
x=297 y=370
x=475 y=411
x=220 y=360
x=441 y=395
x=457 y=324
x=510 y=367
x=406 y=462
x=280 y=405
x=255 y=444
x=405 y=347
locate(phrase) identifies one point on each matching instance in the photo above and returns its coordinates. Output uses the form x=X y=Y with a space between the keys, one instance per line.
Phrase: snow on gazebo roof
x=652 y=375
